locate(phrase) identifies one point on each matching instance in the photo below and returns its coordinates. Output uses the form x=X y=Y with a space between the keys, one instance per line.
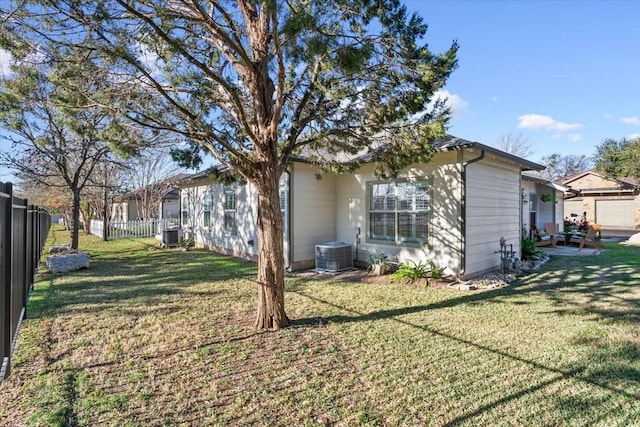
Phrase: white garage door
x=617 y=213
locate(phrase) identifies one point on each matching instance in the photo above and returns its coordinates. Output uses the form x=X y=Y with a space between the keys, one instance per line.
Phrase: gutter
x=463 y=206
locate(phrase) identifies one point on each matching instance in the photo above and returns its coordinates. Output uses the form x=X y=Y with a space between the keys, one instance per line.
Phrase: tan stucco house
x=452 y=210
x=612 y=203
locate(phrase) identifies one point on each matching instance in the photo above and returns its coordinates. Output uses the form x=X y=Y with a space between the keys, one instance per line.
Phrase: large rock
x=59 y=249
x=68 y=262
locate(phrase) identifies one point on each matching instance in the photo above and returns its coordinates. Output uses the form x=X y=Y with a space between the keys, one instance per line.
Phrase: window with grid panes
x=399 y=212
x=185 y=209
x=230 y=210
x=207 y=205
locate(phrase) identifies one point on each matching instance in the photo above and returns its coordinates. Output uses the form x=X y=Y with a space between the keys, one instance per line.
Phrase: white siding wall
x=560 y=210
x=528 y=187
x=493 y=211
x=119 y=211
x=313 y=212
x=547 y=212
x=216 y=237
x=334 y=208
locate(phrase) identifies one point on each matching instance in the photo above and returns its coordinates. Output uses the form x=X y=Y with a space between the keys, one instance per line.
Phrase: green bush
x=412 y=271
x=529 y=249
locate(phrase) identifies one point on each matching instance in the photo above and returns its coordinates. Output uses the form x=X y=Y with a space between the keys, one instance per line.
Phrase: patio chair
x=542 y=239
x=589 y=239
x=553 y=229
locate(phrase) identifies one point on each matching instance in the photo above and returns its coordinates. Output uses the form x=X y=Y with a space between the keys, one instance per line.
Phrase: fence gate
x=23 y=232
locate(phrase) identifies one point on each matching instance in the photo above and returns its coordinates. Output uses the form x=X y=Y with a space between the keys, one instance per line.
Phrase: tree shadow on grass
x=604 y=288
x=599 y=289
x=153 y=276
x=614 y=375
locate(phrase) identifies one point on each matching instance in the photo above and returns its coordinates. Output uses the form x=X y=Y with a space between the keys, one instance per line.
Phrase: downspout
x=463 y=206
x=289 y=229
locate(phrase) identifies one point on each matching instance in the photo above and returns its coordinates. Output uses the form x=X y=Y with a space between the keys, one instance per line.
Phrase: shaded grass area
x=164 y=337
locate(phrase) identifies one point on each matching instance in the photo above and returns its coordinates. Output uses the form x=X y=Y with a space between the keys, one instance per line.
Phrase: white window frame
x=230 y=210
x=207 y=207
x=391 y=207
x=184 y=209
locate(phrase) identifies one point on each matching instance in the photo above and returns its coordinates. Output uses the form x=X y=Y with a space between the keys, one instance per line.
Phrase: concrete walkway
x=570 y=251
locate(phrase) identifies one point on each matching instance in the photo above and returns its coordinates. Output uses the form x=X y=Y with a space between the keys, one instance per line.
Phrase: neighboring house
x=452 y=210
x=128 y=207
x=612 y=203
x=543 y=202
x=170 y=205
x=124 y=208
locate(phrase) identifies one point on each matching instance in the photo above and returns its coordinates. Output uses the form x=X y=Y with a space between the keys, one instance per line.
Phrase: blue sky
x=565 y=74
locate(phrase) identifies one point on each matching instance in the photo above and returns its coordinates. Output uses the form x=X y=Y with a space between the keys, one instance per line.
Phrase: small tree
x=56 y=199
x=558 y=166
x=619 y=158
x=515 y=143
x=56 y=137
x=151 y=177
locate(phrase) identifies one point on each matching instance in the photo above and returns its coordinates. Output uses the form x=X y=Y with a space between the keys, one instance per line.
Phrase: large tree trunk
x=271 y=313
x=75 y=220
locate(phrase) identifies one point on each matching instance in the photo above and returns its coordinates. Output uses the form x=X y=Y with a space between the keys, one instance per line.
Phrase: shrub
x=187 y=243
x=529 y=249
x=412 y=271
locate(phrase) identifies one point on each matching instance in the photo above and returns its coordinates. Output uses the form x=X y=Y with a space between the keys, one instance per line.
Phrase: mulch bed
x=363 y=276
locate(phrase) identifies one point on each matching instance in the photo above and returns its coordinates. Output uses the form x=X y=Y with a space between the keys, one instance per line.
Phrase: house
x=612 y=203
x=543 y=202
x=127 y=207
x=132 y=205
x=452 y=210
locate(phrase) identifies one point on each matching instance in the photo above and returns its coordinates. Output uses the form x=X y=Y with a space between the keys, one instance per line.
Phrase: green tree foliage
x=619 y=158
x=255 y=82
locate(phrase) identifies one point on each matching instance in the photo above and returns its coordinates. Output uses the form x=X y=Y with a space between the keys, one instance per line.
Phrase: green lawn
x=150 y=337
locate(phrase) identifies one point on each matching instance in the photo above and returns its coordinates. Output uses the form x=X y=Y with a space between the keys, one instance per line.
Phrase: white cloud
x=575 y=137
x=538 y=122
x=608 y=116
x=630 y=120
x=495 y=98
x=456 y=104
x=633 y=136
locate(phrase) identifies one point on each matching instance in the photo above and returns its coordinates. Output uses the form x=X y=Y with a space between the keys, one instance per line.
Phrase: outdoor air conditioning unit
x=332 y=257
x=170 y=237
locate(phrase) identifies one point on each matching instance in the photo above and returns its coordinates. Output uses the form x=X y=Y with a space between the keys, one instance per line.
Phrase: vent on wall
x=332 y=257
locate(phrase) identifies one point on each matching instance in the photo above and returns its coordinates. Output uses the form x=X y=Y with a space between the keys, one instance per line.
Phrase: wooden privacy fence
x=23 y=232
